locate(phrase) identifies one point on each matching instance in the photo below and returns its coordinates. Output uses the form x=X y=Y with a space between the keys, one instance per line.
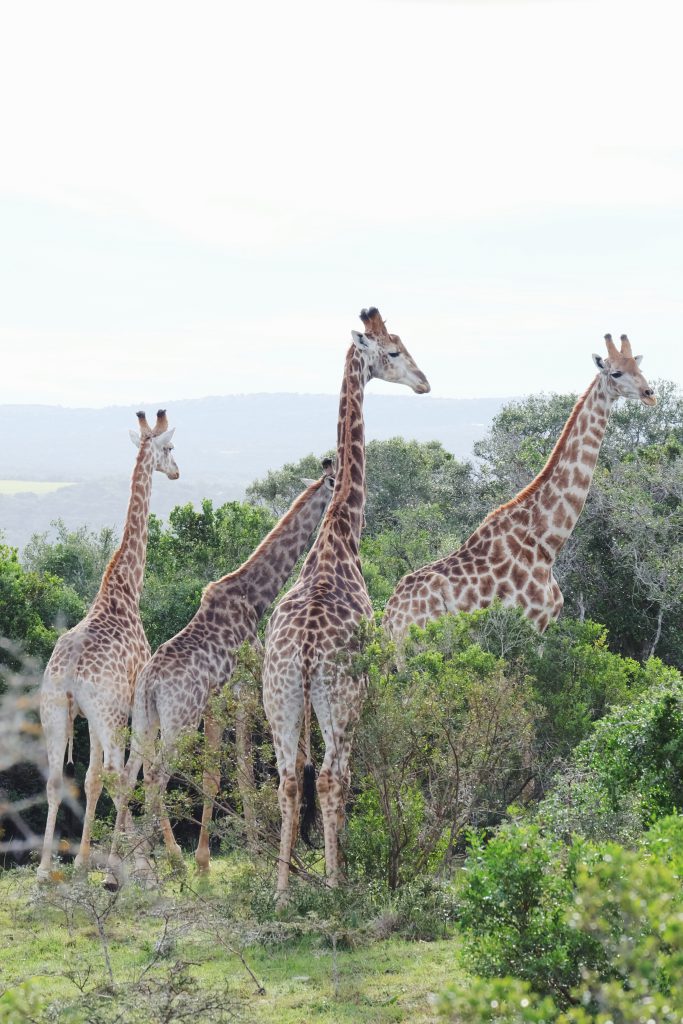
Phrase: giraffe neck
x=125 y=572
x=555 y=499
x=345 y=515
x=262 y=576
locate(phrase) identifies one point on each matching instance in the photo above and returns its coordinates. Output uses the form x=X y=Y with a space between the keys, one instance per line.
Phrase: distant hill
x=222 y=445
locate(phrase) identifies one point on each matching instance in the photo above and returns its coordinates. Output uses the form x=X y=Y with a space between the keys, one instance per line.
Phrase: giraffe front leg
x=210 y=785
x=300 y=762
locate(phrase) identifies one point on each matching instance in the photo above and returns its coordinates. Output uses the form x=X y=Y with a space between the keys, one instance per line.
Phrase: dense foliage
x=573 y=933
x=34 y=607
x=569 y=906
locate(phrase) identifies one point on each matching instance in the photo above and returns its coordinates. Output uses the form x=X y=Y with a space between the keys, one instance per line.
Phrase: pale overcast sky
x=197 y=198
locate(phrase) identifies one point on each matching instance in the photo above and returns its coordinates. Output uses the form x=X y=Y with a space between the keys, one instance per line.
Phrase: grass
x=314 y=967
x=32 y=486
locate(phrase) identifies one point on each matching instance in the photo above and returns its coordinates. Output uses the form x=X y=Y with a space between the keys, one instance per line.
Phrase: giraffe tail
x=308 y=805
x=71 y=714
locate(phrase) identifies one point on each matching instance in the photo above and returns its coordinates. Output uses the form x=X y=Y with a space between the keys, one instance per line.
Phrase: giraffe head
x=160 y=438
x=622 y=371
x=326 y=481
x=386 y=355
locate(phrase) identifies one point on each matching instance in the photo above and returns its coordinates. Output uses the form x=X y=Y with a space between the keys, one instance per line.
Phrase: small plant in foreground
x=514 y=902
x=496 y=1001
x=624 y=908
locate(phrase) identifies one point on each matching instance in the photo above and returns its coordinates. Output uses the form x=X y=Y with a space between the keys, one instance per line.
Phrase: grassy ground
x=31 y=486
x=325 y=966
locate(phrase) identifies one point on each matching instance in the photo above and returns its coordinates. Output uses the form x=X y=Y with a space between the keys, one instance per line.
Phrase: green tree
x=79 y=557
x=34 y=608
x=440 y=743
x=196 y=547
x=629 y=771
x=400 y=474
x=573 y=934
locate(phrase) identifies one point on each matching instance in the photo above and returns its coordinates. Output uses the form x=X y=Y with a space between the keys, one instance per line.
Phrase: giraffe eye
x=618 y=373
x=393 y=354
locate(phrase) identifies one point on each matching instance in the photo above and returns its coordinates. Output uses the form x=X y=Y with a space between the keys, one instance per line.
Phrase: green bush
x=440 y=744
x=513 y=909
x=425 y=909
x=576 y=935
x=629 y=771
x=496 y=1001
x=577 y=680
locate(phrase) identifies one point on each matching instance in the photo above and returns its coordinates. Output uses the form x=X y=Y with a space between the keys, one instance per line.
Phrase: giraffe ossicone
x=94 y=666
x=314 y=624
x=510 y=556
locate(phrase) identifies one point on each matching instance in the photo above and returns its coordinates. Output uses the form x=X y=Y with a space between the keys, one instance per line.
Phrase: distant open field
x=32 y=486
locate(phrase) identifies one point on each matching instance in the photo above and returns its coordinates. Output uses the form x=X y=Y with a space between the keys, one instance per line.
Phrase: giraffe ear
x=359 y=340
x=162 y=439
x=308 y=481
x=135 y=438
x=638 y=360
x=599 y=361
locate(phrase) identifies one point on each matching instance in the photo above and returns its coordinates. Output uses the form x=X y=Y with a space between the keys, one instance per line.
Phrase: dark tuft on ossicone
x=326 y=463
x=161 y=412
x=140 y=415
x=608 y=337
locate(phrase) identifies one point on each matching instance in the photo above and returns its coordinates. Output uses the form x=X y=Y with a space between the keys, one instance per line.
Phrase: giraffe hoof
x=111 y=884
x=282 y=900
x=43 y=875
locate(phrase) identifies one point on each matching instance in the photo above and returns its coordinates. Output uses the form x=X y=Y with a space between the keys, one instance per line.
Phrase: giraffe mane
x=269 y=538
x=339 y=502
x=114 y=560
x=541 y=477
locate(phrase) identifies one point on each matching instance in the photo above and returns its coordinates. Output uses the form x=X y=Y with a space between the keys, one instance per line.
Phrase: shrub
x=441 y=743
x=629 y=771
x=514 y=906
x=599 y=929
x=496 y=1001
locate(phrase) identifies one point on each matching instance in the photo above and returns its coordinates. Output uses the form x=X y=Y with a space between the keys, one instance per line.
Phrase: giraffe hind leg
x=334 y=777
x=54 y=716
x=210 y=785
x=93 y=789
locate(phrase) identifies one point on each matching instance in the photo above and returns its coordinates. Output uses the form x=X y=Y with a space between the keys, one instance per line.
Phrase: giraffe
x=511 y=554
x=93 y=668
x=175 y=685
x=314 y=623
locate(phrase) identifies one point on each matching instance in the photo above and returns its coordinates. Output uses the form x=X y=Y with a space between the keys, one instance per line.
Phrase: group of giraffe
x=102 y=667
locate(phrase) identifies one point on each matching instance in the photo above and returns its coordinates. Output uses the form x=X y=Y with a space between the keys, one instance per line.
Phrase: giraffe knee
x=327 y=784
x=54 y=787
x=289 y=787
